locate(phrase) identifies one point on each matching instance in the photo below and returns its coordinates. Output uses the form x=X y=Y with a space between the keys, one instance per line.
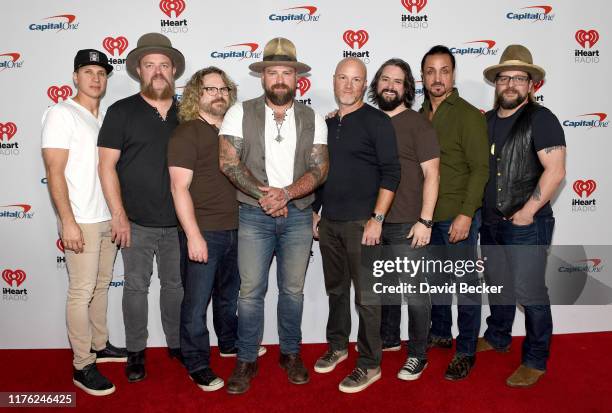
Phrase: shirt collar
x=450 y=99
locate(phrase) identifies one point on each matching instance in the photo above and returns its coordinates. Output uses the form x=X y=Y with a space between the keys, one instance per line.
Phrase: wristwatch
x=427 y=222
x=378 y=217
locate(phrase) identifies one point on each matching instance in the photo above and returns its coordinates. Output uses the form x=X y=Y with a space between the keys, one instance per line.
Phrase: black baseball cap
x=91 y=57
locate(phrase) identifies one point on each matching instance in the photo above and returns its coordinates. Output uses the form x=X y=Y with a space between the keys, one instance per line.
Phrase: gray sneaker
x=329 y=360
x=359 y=380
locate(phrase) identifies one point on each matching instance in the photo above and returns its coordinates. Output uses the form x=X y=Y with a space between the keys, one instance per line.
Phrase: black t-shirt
x=362 y=159
x=546 y=132
x=141 y=134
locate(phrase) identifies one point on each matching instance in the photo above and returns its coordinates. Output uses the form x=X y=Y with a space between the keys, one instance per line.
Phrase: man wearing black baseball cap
x=69 y=135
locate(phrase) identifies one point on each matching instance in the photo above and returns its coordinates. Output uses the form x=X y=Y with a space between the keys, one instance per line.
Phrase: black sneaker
x=459 y=367
x=91 y=381
x=110 y=353
x=412 y=369
x=206 y=379
x=439 y=342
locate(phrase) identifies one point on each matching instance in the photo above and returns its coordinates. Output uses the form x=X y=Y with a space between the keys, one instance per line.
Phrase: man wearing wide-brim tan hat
x=134 y=174
x=274 y=150
x=527 y=164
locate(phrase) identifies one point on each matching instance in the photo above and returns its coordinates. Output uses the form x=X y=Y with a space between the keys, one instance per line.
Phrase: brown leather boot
x=294 y=366
x=484 y=345
x=240 y=380
x=524 y=376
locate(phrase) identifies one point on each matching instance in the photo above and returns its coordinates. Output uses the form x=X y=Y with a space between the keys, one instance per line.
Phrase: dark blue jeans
x=469 y=305
x=219 y=279
x=522 y=272
x=260 y=237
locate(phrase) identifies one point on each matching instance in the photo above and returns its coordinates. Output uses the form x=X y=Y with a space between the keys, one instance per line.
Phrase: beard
x=388 y=105
x=509 y=104
x=277 y=98
x=214 y=109
x=148 y=91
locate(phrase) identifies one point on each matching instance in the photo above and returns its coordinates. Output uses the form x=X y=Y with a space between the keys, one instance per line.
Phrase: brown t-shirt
x=195 y=145
x=416 y=143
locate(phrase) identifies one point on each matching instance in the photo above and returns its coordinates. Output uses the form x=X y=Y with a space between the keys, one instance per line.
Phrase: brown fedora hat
x=515 y=57
x=279 y=52
x=154 y=43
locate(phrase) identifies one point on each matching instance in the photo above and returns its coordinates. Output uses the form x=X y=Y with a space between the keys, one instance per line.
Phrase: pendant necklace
x=279 y=138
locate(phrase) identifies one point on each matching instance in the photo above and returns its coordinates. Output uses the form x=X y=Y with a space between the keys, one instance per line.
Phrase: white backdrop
x=40 y=38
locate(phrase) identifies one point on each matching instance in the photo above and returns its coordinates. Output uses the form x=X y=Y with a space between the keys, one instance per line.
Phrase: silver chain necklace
x=279 y=138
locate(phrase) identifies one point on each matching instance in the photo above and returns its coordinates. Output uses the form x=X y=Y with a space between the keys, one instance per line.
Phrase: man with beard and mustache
x=133 y=144
x=274 y=150
x=464 y=171
x=205 y=202
x=409 y=220
x=363 y=176
x=527 y=165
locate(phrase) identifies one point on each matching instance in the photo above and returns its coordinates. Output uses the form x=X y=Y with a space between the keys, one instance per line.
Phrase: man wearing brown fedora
x=274 y=150
x=527 y=164
x=134 y=174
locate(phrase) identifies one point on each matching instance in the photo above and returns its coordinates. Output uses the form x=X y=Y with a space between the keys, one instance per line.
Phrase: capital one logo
x=486 y=50
x=359 y=37
x=303 y=85
x=8 y=129
x=9 y=61
x=56 y=93
x=583 y=37
x=414 y=6
x=112 y=45
x=169 y=6
x=16 y=277
x=585 y=188
x=251 y=53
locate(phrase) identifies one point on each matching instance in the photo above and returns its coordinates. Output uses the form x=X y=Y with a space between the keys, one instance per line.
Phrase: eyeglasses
x=518 y=80
x=212 y=91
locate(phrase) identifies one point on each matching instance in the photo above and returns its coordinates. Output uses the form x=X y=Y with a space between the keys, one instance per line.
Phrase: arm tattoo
x=537 y=193
x=318 y=165
x=553 y=148
x=230 y=148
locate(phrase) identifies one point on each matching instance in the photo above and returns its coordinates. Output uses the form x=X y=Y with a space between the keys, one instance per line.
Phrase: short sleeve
x=320 y=133
x=112 y=132
x=232 y=122
x=547 y=130
x=57 y=128
x=182 y=149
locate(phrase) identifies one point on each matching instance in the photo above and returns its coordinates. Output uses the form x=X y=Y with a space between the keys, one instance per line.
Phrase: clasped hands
x=274 y=201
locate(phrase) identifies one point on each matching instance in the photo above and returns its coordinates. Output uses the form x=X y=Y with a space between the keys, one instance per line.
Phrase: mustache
x=280 y=86
x=388 y=91
x=437 y=84
x=218 y=100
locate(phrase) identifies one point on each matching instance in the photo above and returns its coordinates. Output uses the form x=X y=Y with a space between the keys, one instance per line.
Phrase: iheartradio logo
x=112 y=45
x=8 y=129
x=59 y=245
x=303 y=85
x=359 y=37
x=537 y=85
x=581 y=187
x=583 y=37
x=56 y=93
x=14 y=277
x=412 y=5
x=169 y=6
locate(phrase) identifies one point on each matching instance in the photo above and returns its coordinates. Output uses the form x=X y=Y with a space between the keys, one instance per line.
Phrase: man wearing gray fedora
x=274 y=150
x=527 y=165
x=134 y=174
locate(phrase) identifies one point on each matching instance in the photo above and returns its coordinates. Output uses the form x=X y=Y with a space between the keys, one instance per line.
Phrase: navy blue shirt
x=362 y=159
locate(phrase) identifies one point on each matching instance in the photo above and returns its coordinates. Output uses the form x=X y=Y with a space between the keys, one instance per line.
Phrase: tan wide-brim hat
x=279 y=52
x=515 y=57
x=154 y=43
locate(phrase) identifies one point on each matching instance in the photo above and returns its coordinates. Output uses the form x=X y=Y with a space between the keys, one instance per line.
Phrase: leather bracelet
x=427 y=222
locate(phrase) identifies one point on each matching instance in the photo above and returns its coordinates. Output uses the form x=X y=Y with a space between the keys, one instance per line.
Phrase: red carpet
x=579 y=379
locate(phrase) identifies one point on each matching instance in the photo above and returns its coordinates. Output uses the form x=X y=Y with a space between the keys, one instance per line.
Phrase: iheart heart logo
x=118 y=44
x=303 y=85
x=351 y=37
x=414 y=4
x=582 y=37
x=17 y=277
x=587 y=186
x=59 y=244
x=9 y=129
x=56 y=93
x=538 y=85
x=169 y=6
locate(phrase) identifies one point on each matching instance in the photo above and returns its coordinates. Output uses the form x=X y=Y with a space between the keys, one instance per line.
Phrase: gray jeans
x=138 y=266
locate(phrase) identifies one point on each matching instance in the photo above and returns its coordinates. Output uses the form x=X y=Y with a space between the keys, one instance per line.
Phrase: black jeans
x=341 y=250
x=419 y=305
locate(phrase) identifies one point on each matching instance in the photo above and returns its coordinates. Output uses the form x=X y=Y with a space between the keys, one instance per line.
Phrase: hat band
x=279 y=58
